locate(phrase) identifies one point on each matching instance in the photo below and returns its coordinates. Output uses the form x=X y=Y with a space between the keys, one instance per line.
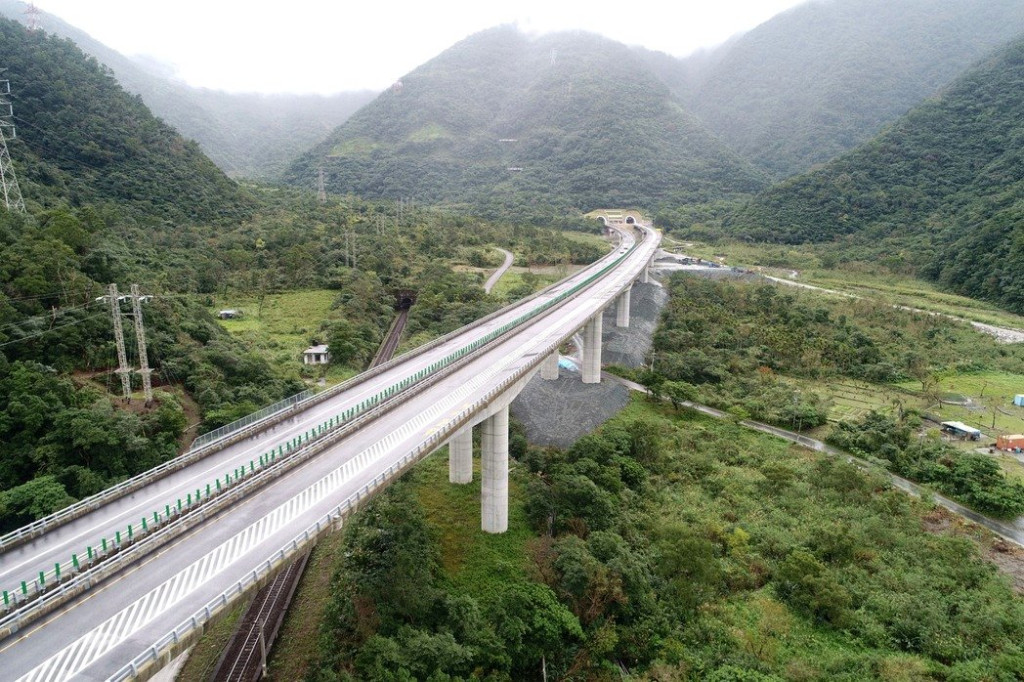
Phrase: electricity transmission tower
x=140 y=337
x=321 y=189
x=32 y=17
x=123 y=371
x=13 y=201
x=350 y=250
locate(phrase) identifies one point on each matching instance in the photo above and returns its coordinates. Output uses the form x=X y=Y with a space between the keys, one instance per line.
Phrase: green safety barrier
x=336 y=420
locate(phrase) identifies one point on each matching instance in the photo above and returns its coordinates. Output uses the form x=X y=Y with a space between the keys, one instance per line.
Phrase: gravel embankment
x=557 y=413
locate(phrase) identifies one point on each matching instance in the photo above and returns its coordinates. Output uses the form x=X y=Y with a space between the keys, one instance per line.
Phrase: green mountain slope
x=825 y=76
x=571 y=119
x=246 y=135
x=81 y=138
x=944 y=186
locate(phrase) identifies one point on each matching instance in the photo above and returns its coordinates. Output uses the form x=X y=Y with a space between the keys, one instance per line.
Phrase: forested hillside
x=83 y=139
x=825 y=76
x=246 y=135
x=570 y=119
x=942 y=189
x=114 y=195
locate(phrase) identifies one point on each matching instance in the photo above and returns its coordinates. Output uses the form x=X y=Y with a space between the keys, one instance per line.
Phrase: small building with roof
x=1013 y=442
x=316 y=355
x=961 y=430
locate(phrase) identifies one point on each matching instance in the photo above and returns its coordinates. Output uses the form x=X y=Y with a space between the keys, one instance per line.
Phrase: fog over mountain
x=822 y=77
x=572 y=118
x=247 y=135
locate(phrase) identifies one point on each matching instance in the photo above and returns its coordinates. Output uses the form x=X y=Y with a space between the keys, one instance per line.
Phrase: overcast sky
x=330 y=46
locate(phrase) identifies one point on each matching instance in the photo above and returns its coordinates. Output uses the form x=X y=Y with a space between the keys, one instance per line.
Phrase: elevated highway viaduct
x=250 y=513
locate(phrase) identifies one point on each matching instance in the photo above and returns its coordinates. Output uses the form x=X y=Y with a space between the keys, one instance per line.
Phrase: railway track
x=245 y=657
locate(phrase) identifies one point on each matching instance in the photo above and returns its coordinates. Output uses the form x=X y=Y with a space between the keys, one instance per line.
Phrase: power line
x=50 y=295
x=53 y=313
x=52 y=329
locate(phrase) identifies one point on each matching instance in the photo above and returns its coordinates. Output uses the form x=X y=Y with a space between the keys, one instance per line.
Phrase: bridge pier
x=494 y=473
x=622 y=308
x=460 y=456
x=592 y=350
x=549 y=366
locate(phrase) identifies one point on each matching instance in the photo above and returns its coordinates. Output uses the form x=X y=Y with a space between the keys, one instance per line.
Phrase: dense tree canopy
x=495 y=120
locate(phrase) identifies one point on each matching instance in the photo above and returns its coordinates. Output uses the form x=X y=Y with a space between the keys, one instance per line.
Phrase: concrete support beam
x=622 y=309
x=460 y=456
x=645 y=276
x=494 y=473
x=592 y=350
x=549 y=367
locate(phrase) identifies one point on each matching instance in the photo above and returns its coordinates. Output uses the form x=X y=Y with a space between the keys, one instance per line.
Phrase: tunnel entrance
x=404 y=298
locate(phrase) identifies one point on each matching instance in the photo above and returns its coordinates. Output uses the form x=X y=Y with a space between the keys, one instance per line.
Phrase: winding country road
x=493 y=279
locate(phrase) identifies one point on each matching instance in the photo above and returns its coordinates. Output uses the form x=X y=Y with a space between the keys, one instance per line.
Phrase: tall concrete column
x=592 y=350
x=645 y=276
x=460 y=456
x=494 y=473
x=549 y=366
x=622 y=309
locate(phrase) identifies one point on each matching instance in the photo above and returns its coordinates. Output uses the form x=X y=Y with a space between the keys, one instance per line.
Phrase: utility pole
x=13 y=201
x=122 y=370
x=321 y=189
x=140 y=337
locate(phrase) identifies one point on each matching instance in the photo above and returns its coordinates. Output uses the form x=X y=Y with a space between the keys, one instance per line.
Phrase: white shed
x=316 y=355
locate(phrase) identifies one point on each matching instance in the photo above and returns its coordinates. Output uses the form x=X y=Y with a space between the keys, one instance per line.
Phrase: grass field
x=285 y=326
x=863 y=280
x=478 y=563
x=989 y=397
x=546 y=275
x=985 y=394
x=286 y=321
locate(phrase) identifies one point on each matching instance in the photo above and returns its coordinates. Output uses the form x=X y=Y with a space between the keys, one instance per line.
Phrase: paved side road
x=1012 y=532
x=493 y=279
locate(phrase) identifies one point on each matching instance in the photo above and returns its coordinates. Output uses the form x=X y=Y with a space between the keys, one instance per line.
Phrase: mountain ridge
x=247 y=135
x=821 y=77
x=944 y=186
x=559 y=102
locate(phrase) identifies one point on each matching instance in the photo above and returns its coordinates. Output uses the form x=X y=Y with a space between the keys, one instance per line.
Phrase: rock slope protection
x=571 y=118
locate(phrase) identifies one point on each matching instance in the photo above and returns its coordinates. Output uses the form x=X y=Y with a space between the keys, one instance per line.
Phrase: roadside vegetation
x=666 y=546
x=799 y=359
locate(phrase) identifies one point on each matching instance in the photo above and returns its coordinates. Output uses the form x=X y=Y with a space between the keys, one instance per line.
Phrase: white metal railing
x=15 y=598
x=236 y=430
